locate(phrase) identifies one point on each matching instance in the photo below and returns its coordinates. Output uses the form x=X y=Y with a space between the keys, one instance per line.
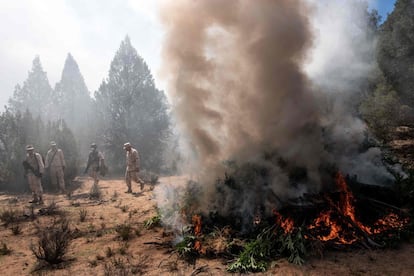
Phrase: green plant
x=293 y=246
x=185 y=248
x=152 y=222
x=256 y=254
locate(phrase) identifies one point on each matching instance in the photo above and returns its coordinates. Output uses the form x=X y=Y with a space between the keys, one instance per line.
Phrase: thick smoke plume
x=237 y=81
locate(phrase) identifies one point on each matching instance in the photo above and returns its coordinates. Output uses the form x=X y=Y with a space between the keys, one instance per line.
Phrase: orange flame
x=286 y=223
x=390 y=221
x=196 y=220
x=346 y=202
x=345 y=208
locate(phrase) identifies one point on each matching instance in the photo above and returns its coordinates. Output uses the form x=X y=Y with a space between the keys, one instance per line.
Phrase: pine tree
x=75 y=103
x=132 y=109
x=73 y=95
x=35 y=95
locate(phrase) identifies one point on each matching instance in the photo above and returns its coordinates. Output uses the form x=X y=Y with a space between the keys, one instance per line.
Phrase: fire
x=196 y=220
x=286 y=223
x=389 y=221
x=345 y=209
x=346 y=202
x=324 y=220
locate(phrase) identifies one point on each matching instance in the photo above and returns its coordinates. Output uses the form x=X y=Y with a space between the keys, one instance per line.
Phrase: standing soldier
x=95 y=161
x=132 y=167
x=55 y=163
x=33 y=170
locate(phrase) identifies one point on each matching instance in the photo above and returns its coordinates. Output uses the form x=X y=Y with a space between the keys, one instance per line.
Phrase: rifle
x=28 y=167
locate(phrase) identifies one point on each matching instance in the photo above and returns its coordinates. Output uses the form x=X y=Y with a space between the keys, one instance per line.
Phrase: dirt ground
x=145 y=253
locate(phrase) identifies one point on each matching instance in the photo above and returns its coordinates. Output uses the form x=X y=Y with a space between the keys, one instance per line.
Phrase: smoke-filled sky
x=91 y=30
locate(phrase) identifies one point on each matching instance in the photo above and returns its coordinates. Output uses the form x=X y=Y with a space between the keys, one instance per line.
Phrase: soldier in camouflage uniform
x=132 y=167
x=55 y=163
x=95 y=161
x=34 y=169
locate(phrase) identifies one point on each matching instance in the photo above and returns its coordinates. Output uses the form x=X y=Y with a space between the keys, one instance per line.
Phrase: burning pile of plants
x=348 y=215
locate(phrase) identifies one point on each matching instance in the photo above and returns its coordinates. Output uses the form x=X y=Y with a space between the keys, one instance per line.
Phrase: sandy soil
x=145 y=252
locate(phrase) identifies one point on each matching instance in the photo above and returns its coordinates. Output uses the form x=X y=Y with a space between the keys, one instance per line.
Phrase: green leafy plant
x=153 y=222
x=185 y=248
x=293 y=246
x=256 y=254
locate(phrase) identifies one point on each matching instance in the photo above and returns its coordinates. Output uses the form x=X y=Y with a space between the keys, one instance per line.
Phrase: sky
x=90 y=30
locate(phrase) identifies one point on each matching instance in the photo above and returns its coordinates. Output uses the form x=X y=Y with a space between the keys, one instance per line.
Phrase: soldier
x=55 y=163
x=132 y=167
x=34 y=168
x=95 y=161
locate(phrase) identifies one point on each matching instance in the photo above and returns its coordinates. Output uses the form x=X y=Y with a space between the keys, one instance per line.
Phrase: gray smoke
x=239 y=88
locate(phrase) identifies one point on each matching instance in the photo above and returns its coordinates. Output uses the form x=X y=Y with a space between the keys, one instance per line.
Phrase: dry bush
x=95 y=192
x=124 y=231
x=109 y=252
x=51 y=210
x=82 y=214
x=4 y=249
x=16 y=229
x=118 y=266
x=9 y=216
x=53 y=241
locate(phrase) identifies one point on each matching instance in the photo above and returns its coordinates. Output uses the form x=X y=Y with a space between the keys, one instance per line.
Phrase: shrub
x=95 y=192
x=53 y=241
x=124 y=231
x=82 y=214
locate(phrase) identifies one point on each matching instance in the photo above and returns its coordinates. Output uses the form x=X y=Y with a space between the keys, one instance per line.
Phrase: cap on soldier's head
x=127 y=145
x=29 y=147
x=93 y=145
x=53 y=143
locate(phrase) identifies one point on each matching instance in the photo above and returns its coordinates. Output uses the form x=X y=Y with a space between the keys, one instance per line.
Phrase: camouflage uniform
x=132 y=167
x=55 y=162
x=35 y=161
x=95 y=160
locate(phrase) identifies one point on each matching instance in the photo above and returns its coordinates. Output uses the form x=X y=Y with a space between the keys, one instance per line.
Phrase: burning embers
x=338 y=222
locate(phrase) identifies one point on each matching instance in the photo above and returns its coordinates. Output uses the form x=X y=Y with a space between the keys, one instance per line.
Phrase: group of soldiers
x=55 y=164
x=34 y=169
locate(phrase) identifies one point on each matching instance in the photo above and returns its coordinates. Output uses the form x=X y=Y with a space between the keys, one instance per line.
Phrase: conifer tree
x=131 y=108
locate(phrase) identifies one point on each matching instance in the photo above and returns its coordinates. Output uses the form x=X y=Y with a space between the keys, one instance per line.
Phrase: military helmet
x=93 y=145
